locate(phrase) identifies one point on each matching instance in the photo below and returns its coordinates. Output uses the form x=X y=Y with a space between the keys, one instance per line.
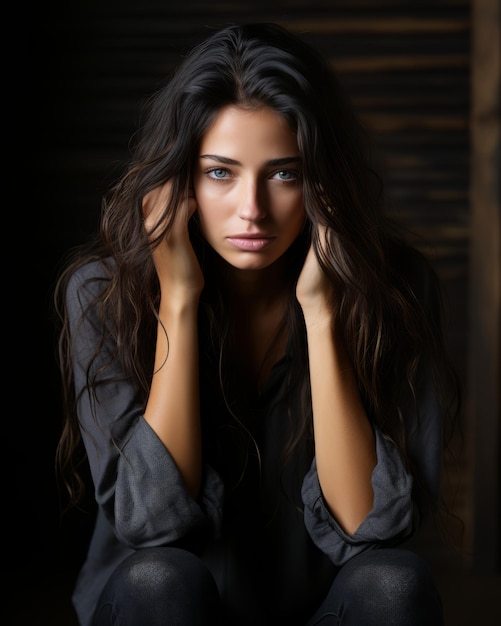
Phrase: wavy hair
x=389 y=307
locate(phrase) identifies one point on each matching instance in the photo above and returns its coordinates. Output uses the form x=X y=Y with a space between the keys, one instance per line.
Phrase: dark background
x=406 y=66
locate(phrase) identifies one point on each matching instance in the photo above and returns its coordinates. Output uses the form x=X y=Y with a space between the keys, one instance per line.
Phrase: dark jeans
x=172 y=587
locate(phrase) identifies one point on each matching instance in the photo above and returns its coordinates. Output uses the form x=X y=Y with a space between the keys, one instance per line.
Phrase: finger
x=155 y=201
x=192 y=205
x=154 y=206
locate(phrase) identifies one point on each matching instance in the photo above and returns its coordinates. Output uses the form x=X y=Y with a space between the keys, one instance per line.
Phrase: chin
x=250 y=267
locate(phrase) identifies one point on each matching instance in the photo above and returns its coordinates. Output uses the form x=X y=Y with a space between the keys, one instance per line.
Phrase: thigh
x=156 y=586
x=386 y=587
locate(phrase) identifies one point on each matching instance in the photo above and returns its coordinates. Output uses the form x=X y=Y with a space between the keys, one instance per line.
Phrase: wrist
x=318 y=318
x=178 y=305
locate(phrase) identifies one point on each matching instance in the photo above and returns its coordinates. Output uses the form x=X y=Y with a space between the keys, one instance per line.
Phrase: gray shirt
x=272 y=533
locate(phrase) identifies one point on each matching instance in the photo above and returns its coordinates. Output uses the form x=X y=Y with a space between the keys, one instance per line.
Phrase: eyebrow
x=271 y=162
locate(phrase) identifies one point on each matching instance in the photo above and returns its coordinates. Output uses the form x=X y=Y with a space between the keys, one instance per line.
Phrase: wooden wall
x=405 y=64
x=484 y=357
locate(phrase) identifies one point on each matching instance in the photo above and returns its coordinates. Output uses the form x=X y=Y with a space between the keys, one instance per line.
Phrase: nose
x=253 y=204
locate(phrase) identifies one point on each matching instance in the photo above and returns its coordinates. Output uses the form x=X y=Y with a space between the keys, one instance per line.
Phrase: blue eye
x=218 y=173
x=285 y=175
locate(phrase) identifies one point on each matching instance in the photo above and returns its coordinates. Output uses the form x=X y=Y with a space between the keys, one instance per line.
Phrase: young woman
x=254 y=361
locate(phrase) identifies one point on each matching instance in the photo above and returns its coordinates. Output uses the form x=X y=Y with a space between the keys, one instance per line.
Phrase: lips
x=249 y=242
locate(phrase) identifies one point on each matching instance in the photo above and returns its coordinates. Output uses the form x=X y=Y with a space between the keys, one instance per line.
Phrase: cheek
x=204 y=202
x=204 y=218
x=209 y=195
x=295 y=215
x=210 y=216
x=198 y=188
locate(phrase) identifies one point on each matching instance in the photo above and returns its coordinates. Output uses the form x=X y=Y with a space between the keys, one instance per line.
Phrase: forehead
x=263 y=129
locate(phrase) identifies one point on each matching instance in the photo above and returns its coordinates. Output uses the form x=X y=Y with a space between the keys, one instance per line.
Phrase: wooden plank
x=401 y=24
x=485 y=285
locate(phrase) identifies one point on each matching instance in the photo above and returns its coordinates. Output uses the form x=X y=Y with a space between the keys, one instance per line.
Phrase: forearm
x=173 y=410
x=344 y=441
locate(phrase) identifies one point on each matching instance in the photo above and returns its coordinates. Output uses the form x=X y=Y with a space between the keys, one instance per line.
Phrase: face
x=247 y=183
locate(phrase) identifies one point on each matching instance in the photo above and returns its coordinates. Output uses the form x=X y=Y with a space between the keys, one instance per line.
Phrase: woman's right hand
x=172 y=409
x=177 y=266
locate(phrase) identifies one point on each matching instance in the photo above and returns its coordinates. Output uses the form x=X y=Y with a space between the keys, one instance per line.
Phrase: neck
x=254 y=287
x=256 y=302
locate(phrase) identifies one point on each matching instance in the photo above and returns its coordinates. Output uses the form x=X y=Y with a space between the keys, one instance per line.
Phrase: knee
x=390 y=587
x=390 y=573
x=158 y=586
x=157 y=572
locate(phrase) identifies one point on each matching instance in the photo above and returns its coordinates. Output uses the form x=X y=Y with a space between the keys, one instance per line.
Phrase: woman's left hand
x=314 y=290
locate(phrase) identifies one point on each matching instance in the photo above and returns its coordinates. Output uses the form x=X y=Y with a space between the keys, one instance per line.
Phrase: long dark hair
x=389 y=301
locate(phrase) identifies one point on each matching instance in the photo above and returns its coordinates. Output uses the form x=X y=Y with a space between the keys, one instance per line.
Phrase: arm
x=394 y=514
x=137 y=483
x=344 y=441
x=146 y=461
x=172 y=409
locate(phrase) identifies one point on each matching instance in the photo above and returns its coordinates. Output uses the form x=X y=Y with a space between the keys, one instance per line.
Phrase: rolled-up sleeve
x=151 y=505
x=389 y=521
x=136 y=482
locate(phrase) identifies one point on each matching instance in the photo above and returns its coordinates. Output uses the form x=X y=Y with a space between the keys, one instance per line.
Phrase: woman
x=253 y=359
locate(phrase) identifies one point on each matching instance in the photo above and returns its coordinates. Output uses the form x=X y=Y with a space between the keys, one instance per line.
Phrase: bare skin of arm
x=173 y=407
x=344 y=441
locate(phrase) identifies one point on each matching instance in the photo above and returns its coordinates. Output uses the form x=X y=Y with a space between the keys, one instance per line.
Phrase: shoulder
x=88 y=282
x=92 y=275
